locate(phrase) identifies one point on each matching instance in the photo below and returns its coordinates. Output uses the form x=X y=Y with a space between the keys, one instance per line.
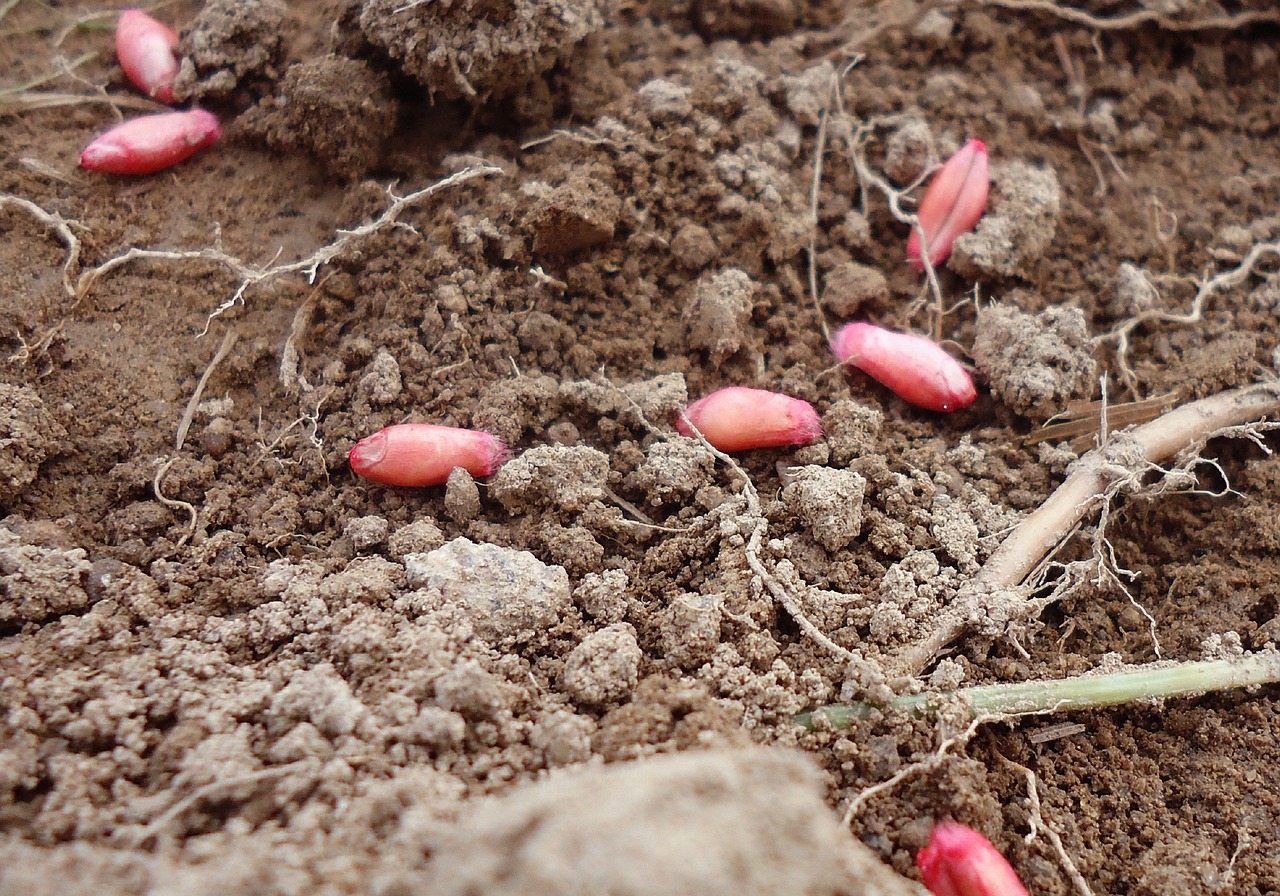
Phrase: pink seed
x=416 y=455
x=151 y=143
x=959 y=861
x=145 y=48
x=917 y=369
x=952 y=205
x=738 y=419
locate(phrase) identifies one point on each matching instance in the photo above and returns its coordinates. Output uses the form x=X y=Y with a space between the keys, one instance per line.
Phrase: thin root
x=855 y=141
x=173 y=503
x=59 y=225
x=1229 y=22
x=759 y=526
x=1121 y=333
x=182 y=805
x=1039 y=824
x=228 y=341
x=252 y=274
x=935 y=759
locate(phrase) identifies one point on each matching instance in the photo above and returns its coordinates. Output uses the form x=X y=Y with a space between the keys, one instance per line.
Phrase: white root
x=251 y=274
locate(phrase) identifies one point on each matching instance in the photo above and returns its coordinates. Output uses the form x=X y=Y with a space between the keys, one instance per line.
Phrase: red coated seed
x=151 y=143
x=416 y=455
x=738 y=419
x=145 y=48
x=917 y=369
x=959 y=861
x=952 y=205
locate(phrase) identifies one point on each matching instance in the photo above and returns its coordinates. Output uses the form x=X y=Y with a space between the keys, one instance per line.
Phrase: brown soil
x=229 y=665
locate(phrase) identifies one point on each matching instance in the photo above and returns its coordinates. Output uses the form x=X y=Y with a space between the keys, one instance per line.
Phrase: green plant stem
x=1061 y=695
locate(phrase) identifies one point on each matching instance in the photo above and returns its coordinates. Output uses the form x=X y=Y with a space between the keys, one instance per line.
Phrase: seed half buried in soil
x=960 y=861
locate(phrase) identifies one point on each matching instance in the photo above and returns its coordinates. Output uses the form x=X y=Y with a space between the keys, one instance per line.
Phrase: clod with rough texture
x=151 y=143
x=916 y=368
x=738 y=419
x=145 y=48
x=416 y=455
x=959 y=861
x=952 y=205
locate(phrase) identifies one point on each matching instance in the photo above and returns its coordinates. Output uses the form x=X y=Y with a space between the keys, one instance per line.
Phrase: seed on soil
x=151 y=143
x=416 y=455
x=145 y=48
x=739 y=419
x=952 y=205
x=959 y=861
x=916 y=368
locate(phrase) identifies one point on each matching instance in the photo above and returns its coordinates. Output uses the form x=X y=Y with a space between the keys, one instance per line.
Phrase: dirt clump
x=479 y=49
x=567 y=477
x=828 y=501
x=718 y=312
x=1017 y=228
x=336 y=109
x=29 y=434
x=604 y=667
x=851 y=429
x=850 y=286
x=1220 y=363
x=1035 y=363
x=672 y=471
x=38 y=582
x=230 y=44
x=508 y=597
x=578 y=214
x=692 y=824
x=909 y=150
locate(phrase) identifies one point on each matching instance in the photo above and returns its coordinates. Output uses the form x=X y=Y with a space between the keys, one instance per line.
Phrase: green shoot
x=1092 y=691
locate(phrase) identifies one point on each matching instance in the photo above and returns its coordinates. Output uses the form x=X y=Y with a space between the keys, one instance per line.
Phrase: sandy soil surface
x=229 y=665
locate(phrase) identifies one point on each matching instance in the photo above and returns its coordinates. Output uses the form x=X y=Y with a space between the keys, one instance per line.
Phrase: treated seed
x=151 y=143
x=738 y=419
x=952 y=205
x=416 y=455
x=917 y=369
x=145 y=48
x=959 y=861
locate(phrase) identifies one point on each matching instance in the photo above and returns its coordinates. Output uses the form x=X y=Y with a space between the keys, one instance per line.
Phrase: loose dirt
x=227 y=664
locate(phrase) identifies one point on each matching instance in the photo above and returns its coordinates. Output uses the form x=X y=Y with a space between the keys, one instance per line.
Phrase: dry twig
x=30 y=100
x=998 y=594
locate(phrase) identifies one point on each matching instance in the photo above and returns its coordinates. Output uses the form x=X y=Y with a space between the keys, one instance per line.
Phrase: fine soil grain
x=229 y=665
